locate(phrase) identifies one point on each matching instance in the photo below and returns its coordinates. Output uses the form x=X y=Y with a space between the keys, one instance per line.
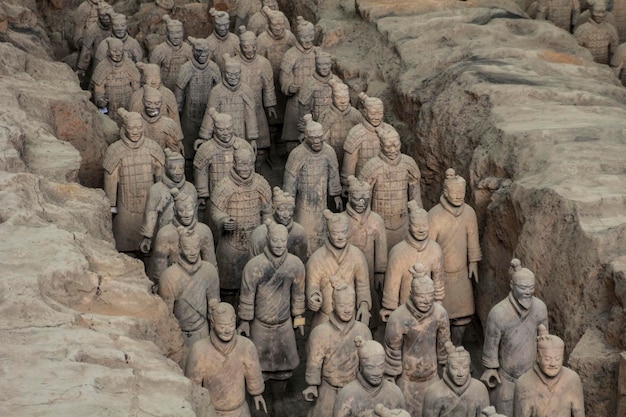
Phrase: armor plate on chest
x=197 y=94
x=312 y=183
x=389 y=198
x=135 y=179
x=243 y=206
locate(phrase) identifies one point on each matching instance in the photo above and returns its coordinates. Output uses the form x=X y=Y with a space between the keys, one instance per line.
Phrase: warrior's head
x=284 y=205
x=550 y=349
x=422 y=288
x=454 y=188
x=371 y=360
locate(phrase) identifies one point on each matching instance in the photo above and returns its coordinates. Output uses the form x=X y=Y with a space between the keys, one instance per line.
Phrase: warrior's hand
x=229 y=225
x=473 y=271
x=363 y=314
x=298 y=323
x=201 y=203
x=293 y=89
x=491 y=378
x=102 y=102
x=338 y=203
x=315 y=301
x=244 y=329
x=260 y=401
x=254 y=145
x=145 y=245
x=379 y=280
x=271 y=112
x=384 y=314
x=310 y=394
x=197 y=143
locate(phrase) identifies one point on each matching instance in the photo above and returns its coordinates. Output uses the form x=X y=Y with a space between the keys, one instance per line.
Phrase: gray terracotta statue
x=119 y=30
x=297 y=64
x=151 y=76
x=457 y=394
x=312 y=174
x=258 y=22
x=221 y=41
x=597 y=35
x=370 y=389
x=338 y=118
x=271 y=305
x=509 y=349
x=194 y=84
x=114 y=80
x=131 y=165
x=93 y=35
x=257 y=73
x=159 y=209
x=315 y=94
x=283 y=206
x=240 y=202
x=453 y=225
x=332 y=356
x=562 y=13
x=188 y=285
x=415 y=342
x=362 y=142
x=416 y=247
x=549 y=389
x=339 y=259
x=171 y=54
x=227 y=365
x=158 y=127
x=395 y=179
x=84 y=16
x=244 y=9
x=147 y=24
x=618 y=61
x=165 y=248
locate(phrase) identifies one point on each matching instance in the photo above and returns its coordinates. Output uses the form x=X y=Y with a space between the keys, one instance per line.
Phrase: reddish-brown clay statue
x=187 y=287
x=339 y=259
x=131 y=166
x=509 y=349
x=240 y=202
x=297 y=64
x=171 y=54
x=284 y=205
x=221 y=41
x=338 y=118
x=562 y=13
x=158 y=127
x=457 y=394
x=159 y=210
x=151 y=76
x=597 y=35
x=84 y=16
x=227 y=365
x=454 y=226
x=166 y=249
x=415 y=342
x=119 y=30
x=370 y=389
x=315 y=94
x=395 y=179
x=312 y=174
x=93 y=35
x=332 y=357
x=194 y=84
x=416 y=247
x=549 y=389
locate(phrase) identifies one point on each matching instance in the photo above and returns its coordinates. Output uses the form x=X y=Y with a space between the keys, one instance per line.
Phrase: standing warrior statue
x=258 y=23
x=562 y=13
x=85 y=15
x=119 y=30
x=160 y=128
x=597 y=35
x=151 y=76
x=316 y=94
x=92 y=37
x=171 y=54
x=221 y=41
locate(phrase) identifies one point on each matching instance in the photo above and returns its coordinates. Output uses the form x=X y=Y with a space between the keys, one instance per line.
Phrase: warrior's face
x=374 y=114
x=248 y=49
x=175 y=35
x=391 y=146
x=598 y=13
x=306 y=37
x=224 y=326
x=232 y=77
x=119 y=29
x=152 y=80
x=323 y=68
x=134 y=129
x=152 y=106
x=272 y=4
x=315 y=140
x=221 y=28
x=360 y=200
x=341 y=101
x=175 y=170
x=344 y=305
x=338 y=234
x=423 y=299
x=458 y=370
x=419 y=227
x=185 y=212
x=104 y=18
x=116 y=53
x=373 y=369
x=244 y=167
x=224 y=132
x=277 y=26
x=550 y=361
x=190 y=250
x=283 y=213
x=455 y=194
x=523 y=290
x=277 y=241
x=201 y=55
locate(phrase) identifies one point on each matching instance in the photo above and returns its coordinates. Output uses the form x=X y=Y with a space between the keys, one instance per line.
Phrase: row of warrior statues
x=241 y=279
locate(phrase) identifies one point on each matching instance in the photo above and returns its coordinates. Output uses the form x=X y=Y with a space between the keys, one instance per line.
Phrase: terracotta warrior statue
x=416 y=247
x=258 y=22
x=93 y=35
x=597 y=35
x=171 y=54
x=240 y=202
x=256 y=73
x=369 y=389
x=244 y=9
x=234 y=97
x=221 y=41
x=194 y=84
x=151 y=76
x=339 y=259
x=131 y=165
x=332 y=357
x=148 y=26
x=338 y=118
x=562 y=13
x=119 y=30
x=159 y=210
x=85 y=15
x=272 y=294
x=509 y=349
x=362 y=142
x=415 y=341
x=227 y=365
x=395 y=179
x=315 y=94
x=187 y=287
x=453 y=225
x=311 y=174
x=160 y=128
x=297 y=64
x=457 y=394
x=166 y=249
x=549 y=389
x=283 y=206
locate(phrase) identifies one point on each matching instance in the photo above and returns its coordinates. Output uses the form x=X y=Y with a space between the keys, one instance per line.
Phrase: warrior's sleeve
x=201 y=171
x=443 y=335
x=415 y=192
x=218 y=202
x=313 y=277
x=207 y=248
x=269 y=92
x=184 y=75
x=157 y=56
x=315 y=357
x=343 y=404
x=380 y=249
x=248 y=293
x=85 y=52
x=393 y=281
x=542 y=9
x=193 y=369
x=160 y=256
x=286 y=73
x=99 y=90
x=334 y=183
x=362 y=279
x=206 y=128
x=167 y=290
x=575 y=12
x=292 y=168
x=252 y=125
x=578 y=399
x=522 y=405
x=265 y=197
x=614 y=41
x=394 y=335
x=297 y=289
x=493 y=334
x=473 y=245
x=151 y=212
x=350 y=157
x=430 y=409
x=135 y=50
x=252 y=369
x=101 y=51
x=135 y=77
x=438 y=273
x=80 y=17
x=111 y=180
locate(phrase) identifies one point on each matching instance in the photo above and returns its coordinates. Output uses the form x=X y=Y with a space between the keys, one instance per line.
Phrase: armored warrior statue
x=151 y=76
x=85 y=15
x=93 y=35
x=311 y=174
x=119 y=29
x=187 y=287
x=416 y=247
x=510 y=346
x=369 y=389
x=453 y=225
x=131 y=166
x=148 y=26
x=597 y=35
x=221 y=41
x=283 y=205
x=161 y=129
x=415 y=342
x=194 y=84
x=339 y=118
x=244 y=10
x=258 y=22
x=562 y=13
x=315 y=94
x=332 y=357
x=339 y=259
x=395 y=179
x=171 y=54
